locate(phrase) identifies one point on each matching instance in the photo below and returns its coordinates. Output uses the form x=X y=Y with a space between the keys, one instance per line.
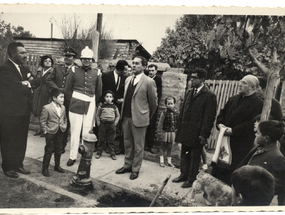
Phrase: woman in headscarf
x=41 y=92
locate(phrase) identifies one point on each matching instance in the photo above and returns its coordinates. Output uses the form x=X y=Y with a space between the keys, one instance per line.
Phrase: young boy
x=107 y=118
x=53 y=121
x=252 y=186
x=267 y=154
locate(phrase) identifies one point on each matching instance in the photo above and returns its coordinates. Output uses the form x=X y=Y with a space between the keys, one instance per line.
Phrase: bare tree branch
x=258 y=63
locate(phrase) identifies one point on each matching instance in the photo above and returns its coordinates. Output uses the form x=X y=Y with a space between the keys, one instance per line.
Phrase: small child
x=107 y=118
x=168 y=124
x=54 y=122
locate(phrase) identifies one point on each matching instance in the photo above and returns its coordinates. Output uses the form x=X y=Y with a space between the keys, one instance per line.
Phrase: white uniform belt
x=82 y=96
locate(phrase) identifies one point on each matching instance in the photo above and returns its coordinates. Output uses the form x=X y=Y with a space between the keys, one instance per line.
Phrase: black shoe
x=120 y=151
x=179 y=179
x=70 y=162
x=98 y=155
x=11 y=174
x=58 y=169
x=186 y=184
x=43 y=135
x=134 y=175
x=23 y=171
x=107 y=151
x=113 y=157
x=152 y=151
x=45 y=173
x=123 y=170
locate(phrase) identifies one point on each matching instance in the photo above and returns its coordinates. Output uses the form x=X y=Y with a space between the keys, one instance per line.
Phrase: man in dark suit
x=15 y=110
x=150 y=133
x=139 y=105
x=58 y=78
x=194 y=126
x=237 y=116
x=115 y=81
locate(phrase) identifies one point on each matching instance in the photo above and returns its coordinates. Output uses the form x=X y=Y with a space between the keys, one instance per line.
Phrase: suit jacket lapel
x=15 y=70
x=139 y=84
x=54 y=110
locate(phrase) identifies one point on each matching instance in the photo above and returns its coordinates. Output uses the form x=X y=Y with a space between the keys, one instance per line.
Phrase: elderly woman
x=41 y=92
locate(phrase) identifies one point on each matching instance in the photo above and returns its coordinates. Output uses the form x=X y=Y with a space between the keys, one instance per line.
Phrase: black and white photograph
x=141 y=109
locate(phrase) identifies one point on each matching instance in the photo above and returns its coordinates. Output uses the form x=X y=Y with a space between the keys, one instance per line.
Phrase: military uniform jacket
x=58 y=77
x=87 y=82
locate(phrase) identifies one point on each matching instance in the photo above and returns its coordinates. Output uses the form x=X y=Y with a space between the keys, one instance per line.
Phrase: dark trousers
x=107 y=134
x=190 y=161
x=14 y=134
x=65 y=134
x=222 y=173
x=150 y=132
x=53 y=144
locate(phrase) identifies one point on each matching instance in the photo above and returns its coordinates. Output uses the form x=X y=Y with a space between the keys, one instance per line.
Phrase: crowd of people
x=123 y=104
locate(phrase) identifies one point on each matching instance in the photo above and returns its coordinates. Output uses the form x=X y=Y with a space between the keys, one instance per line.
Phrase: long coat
x=240 y=119
x=197 y=117
x=41 y=92
x=144 y=101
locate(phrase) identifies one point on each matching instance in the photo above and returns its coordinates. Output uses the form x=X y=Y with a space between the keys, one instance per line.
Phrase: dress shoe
x=11 y=174
x=186 y=184
x=58 y=169
x=169 y=164
x=123 y=170
x=113 y=157
x=70 y=162
x=43 y=135
x=179 y=179
x=120 y=151
x=134 y=175
x=152 y=151
x=23 y=171
x=98 y=155
x=45 y=173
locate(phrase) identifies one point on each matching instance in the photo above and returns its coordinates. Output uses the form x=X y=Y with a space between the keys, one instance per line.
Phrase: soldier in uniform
x=57 y=79
x=84 y=89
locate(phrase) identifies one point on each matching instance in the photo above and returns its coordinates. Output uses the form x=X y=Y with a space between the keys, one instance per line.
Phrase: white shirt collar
x=199 y=88
x=116 y=76
x=138 y=78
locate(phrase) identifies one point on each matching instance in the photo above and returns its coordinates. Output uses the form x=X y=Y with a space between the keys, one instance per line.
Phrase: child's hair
x=169 y=98
x=255 y=184
x=272 y=128
x=55 y=93
x=108 y=91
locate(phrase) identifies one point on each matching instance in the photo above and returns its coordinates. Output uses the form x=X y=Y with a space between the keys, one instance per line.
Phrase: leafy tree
x=187 y=46
x=255 y=43
x=7 y=33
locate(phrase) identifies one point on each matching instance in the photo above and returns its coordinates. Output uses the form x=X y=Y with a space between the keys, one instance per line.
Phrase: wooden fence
x=223 y=90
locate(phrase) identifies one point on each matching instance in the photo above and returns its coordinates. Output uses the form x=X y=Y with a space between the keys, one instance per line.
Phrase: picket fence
x=223 y=90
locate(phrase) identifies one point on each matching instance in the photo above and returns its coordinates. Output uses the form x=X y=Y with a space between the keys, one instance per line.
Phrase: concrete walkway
x=150 y=178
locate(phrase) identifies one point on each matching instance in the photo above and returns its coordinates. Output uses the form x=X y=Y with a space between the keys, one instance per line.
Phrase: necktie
x=195 y=91
x=21 y=71
x=118 y=83
x=133 y=81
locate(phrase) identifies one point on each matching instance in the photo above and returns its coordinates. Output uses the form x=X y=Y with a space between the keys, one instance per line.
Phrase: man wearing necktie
x=57 y=79
x=15 y=109
x=115 y=81
x=194 y=126
x=139 y=105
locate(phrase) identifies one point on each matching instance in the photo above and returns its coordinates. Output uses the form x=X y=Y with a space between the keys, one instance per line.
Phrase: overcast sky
x=145 y=24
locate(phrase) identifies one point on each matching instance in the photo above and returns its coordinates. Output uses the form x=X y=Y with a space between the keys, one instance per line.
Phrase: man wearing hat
x=194 y=126
x=57 y=79
x=83 y=89
x=237 y=116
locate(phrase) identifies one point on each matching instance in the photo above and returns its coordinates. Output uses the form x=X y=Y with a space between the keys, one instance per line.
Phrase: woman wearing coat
x=41 y=89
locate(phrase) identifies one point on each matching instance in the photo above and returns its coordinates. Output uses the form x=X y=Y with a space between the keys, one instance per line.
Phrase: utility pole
x=51 y=30
x=96 y=38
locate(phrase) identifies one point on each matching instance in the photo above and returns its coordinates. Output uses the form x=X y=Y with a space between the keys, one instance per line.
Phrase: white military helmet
x=87 y=53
